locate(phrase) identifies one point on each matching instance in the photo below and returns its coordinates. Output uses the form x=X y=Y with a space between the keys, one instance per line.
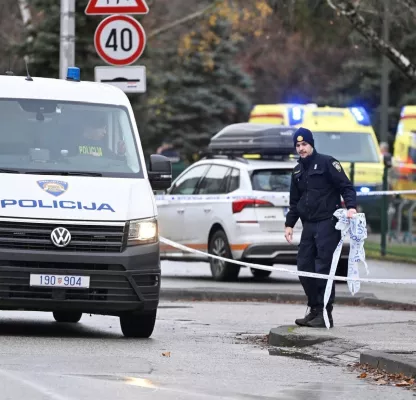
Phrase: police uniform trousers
x=317 y=245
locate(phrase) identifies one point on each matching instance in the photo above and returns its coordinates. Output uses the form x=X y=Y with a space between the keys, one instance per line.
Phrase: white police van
x=78 y=219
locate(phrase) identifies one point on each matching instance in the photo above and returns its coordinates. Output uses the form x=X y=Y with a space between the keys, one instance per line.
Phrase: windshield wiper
x=9 y=171
x=64 y=173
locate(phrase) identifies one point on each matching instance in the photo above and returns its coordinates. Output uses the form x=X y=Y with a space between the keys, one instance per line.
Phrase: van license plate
x=70 y=281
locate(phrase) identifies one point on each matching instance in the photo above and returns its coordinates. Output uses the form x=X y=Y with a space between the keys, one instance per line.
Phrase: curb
x=390 y=363
x=287 y=336
x=204 y=294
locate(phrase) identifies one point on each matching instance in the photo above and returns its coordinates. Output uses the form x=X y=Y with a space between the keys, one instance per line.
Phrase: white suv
x=208 y=208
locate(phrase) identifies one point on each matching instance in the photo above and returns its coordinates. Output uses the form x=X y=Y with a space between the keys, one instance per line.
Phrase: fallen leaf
x=403 y=383
x=379 y=376
x=166 y=354
x=363 y=375
x=381 y=382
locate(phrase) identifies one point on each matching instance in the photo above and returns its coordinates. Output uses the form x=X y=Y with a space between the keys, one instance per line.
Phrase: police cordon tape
x=356 y=227
x=280 y=269
x=196 y=197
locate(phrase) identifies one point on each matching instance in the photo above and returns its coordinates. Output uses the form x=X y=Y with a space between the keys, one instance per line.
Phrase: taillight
x=240 y=205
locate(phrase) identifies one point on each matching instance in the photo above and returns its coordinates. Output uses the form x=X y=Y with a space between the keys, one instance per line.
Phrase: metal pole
x=385 y=78
x=384 y=213
x=67 y=37
x=352 y=173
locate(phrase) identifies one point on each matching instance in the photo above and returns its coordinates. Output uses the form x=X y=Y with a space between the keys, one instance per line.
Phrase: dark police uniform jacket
x=317 y=184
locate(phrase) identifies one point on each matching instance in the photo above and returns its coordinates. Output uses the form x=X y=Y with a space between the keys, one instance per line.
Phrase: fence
x=392 y=218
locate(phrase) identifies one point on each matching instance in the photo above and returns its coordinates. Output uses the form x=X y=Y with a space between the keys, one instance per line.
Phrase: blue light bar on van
x=295 y=115
x=360 y=115
x=73 y=74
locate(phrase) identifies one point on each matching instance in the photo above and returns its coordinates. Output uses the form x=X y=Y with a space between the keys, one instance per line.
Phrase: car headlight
x=143 y=231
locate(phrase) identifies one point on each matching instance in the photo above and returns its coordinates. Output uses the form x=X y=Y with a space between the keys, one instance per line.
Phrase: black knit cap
x=303 y=135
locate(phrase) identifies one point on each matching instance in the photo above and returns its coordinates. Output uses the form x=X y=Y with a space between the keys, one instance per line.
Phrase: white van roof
x=61 y=89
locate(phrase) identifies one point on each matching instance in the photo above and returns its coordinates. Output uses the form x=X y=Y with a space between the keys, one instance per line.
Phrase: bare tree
x=351 y=10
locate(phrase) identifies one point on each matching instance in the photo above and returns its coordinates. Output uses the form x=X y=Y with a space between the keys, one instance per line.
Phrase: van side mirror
x=160 y=172
x=387 y=160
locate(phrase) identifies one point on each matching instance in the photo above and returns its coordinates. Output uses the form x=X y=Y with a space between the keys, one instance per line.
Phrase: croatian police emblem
x=55 y=188
x=337 y=166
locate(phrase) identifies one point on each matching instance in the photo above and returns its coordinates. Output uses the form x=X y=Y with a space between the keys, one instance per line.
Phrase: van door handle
x=180 y=210
x=208 y=209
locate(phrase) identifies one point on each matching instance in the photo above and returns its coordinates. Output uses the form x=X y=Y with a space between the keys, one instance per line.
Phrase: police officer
x=317 y=183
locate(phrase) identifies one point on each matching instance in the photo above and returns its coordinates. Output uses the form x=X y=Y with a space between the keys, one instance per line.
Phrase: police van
x=78 y=219
x=234 y=201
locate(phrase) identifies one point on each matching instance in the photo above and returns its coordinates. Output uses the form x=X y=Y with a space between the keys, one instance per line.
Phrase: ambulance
x=279 y=114
x=78 y=218
x=344 y=133
x=403 y=173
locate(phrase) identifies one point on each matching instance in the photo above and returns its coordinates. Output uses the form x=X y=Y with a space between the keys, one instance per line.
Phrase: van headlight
x=143 y=231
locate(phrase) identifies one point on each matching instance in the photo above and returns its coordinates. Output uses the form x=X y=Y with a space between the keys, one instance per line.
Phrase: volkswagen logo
x=60 y=237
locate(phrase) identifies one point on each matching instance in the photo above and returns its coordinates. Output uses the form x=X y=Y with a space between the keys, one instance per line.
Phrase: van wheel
x=67 y=316
x=221 y=270
x=260 y=273
x=138 y=325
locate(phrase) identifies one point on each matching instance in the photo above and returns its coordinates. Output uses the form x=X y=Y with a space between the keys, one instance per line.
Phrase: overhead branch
x=181 y=21
x=349 y=10
x=410 y=6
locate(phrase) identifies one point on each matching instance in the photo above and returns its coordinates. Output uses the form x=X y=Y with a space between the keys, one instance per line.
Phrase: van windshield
x=347 y=146
x=45 y=136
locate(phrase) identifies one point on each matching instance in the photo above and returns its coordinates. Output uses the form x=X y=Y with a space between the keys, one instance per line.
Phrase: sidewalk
x=379 y=351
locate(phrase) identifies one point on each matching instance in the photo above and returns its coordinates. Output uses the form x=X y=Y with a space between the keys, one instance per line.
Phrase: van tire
x=67 y=316
x=220 y=270
x=138 y=325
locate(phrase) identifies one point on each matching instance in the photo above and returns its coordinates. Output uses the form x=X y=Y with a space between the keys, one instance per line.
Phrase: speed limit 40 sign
x=120 y=40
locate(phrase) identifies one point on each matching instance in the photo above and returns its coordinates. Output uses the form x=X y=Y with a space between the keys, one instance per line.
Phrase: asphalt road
x=198 y=351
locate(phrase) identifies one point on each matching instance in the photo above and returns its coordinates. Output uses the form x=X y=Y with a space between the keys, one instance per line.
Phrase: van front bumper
x=128 y=281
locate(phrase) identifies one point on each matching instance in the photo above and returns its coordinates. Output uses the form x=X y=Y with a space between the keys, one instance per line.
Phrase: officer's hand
x=289 y=234
x=351 y=212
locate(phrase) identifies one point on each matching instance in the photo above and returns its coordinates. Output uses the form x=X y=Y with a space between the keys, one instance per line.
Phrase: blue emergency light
x=296 y=115
x=73 y=74
x=360 y=115
x=365 y=189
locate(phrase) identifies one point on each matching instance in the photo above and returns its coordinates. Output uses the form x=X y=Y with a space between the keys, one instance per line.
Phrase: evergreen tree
x=202 y=92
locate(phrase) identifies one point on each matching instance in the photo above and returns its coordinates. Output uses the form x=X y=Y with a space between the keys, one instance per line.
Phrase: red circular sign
x=120 y=40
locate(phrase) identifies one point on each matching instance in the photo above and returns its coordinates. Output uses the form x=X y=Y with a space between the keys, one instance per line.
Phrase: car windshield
x=271 y=180
x=347 y=146
x=45 y=136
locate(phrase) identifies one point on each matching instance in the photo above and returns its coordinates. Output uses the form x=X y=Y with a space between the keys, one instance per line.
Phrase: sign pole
x=67 y=37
